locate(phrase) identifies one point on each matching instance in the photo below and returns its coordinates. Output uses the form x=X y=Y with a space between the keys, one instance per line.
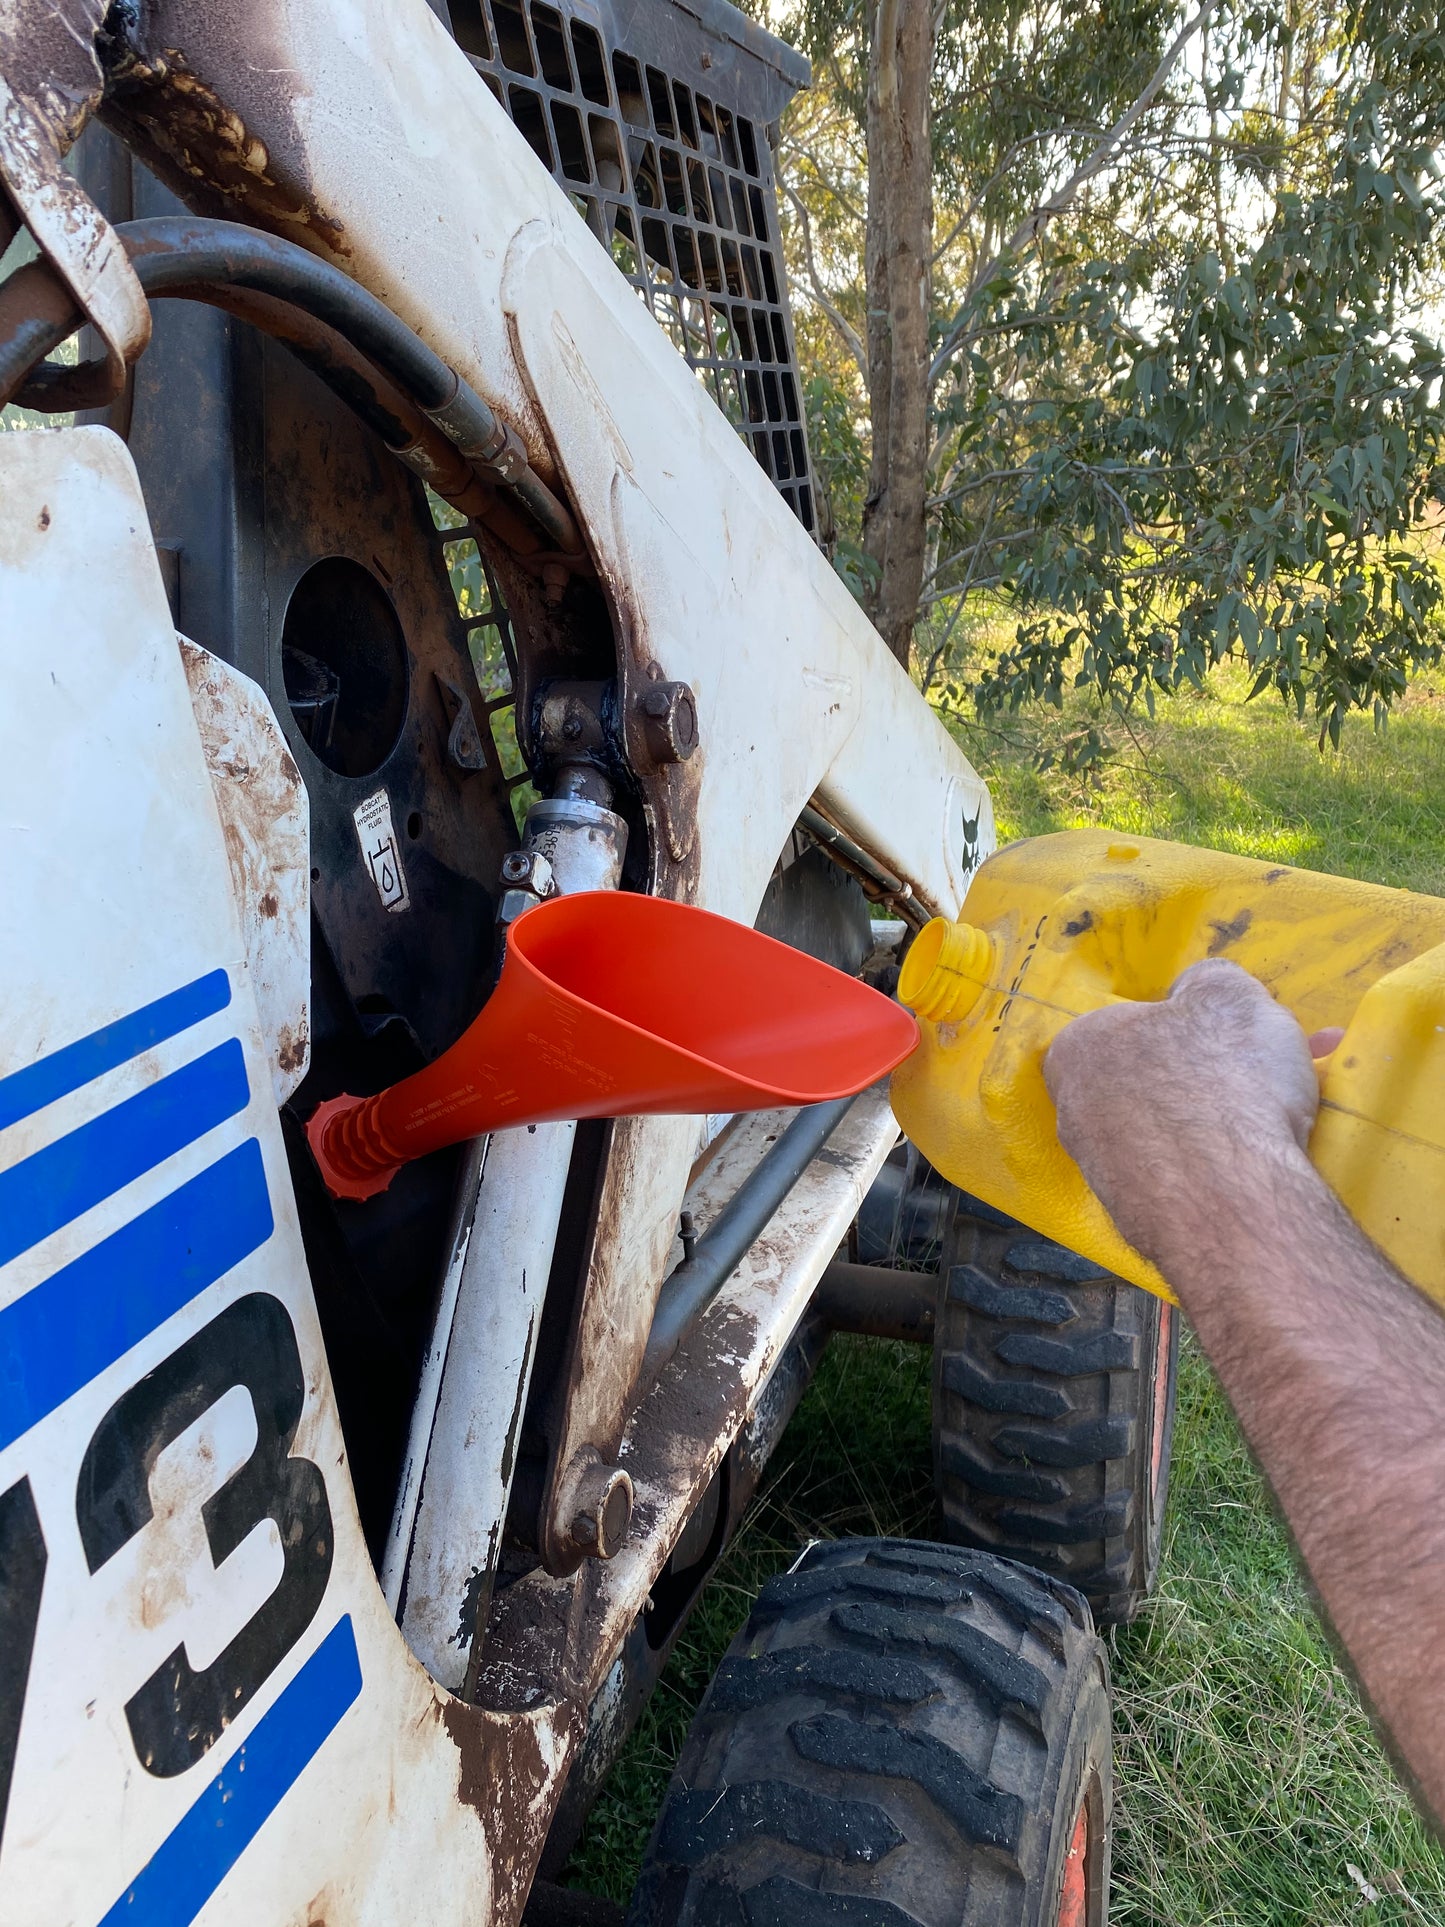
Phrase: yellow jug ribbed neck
x=946 y=970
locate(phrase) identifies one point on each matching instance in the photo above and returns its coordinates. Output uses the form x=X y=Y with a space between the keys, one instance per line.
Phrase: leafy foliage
x=840 y=465
x=1247 y=476
x=1195 y=413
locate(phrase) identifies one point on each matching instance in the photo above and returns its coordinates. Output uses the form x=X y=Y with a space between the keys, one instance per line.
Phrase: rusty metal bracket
x=77 y=241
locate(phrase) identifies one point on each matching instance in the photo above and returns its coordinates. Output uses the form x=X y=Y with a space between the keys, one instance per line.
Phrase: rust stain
x=260 y=801
x=672 y=790
x=292 y=1043
x=634 y=1220
x=506 y=1777
x=47 y=54
x=318 y=1909
x=203 y=148
x=490 y=1794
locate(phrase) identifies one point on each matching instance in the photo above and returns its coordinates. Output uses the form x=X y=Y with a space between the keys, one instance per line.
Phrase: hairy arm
x=1189 y=1118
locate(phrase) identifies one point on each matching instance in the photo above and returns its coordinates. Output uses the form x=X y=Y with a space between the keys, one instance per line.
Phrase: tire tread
x=1044 y=1413
x=882 y=1683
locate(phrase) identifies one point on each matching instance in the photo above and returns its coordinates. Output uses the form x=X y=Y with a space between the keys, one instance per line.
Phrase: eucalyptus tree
x=1129 y=301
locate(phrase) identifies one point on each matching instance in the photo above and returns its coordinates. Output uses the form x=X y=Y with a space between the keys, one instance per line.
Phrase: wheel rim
x=1074 y=1891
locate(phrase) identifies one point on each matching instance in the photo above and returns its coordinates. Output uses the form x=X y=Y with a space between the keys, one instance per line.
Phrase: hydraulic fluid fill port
x=1060 y=925
x=613 y=1005
x=344 y=659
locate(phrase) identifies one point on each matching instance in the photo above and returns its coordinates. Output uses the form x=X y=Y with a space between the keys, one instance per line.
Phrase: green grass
x=1248 y=1781
x=1243 y=776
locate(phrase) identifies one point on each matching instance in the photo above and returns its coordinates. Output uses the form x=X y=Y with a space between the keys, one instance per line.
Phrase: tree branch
x=1033 y=225
x=937 y=654
x=1010 y=155
x=977 y=482
x=794 y=150
x=847 y=332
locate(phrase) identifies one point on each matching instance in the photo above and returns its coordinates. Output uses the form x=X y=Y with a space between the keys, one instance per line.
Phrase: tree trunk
x=899 y=245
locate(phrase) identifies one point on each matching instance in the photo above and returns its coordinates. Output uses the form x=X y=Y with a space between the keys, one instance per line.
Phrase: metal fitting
x=527 y=880
x=527 y=870
x=513 y=904
x=464 y=739
x=598 y=1505
x=584 y=841
x=669 y=721
x=570 y=722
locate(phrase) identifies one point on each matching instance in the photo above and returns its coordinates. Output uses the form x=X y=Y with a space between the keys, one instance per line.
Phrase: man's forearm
x=1336 y=1368
x=1188 y=1117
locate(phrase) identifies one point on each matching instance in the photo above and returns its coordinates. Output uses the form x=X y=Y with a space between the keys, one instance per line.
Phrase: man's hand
x=1161 y=1105
x=1189 y=1118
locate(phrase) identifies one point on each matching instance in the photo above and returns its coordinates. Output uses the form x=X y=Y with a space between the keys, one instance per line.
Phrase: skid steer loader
x=374 y=568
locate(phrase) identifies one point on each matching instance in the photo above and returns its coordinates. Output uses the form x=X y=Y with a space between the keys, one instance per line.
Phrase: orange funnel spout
x=610 y=1005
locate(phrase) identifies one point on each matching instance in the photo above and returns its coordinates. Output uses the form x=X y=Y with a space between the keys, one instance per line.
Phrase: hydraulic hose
x=690 y=1289
x=378 y=402
x=849 y=855
x=184 y=255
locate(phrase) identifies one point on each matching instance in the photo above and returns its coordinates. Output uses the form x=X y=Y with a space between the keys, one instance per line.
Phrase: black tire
x=903 y=1735
x=1053 y=1410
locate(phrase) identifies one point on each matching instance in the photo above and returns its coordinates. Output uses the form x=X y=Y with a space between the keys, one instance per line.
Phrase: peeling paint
x=196 y=141
x=265 y=818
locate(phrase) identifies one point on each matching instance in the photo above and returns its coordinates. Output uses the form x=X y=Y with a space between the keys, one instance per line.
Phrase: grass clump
x=1216 y=769
x=1248 y=1781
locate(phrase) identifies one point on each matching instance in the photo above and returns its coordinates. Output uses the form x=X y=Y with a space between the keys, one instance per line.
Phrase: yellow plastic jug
x=1059 y=925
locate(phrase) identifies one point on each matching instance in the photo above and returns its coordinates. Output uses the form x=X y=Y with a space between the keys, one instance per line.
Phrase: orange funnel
x=612 y=1004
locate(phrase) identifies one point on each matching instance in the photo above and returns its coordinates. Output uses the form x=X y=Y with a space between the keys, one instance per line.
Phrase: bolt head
x=669 y=721
x=527 y=870
x=603 y=1510
x=513 y=905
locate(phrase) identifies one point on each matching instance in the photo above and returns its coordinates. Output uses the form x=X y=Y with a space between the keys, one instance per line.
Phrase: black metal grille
x=674 y=178
x=491 y=645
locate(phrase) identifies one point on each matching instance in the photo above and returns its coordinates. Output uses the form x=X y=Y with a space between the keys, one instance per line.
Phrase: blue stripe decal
x=193 y=1860
x=48 y=1189
x=82 y=1318
x=39 y=1084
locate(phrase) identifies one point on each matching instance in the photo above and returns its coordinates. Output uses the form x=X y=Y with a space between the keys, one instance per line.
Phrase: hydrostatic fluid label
x=380 y=851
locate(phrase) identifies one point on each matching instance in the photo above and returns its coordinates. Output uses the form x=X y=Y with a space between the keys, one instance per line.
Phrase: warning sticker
x=379 y=851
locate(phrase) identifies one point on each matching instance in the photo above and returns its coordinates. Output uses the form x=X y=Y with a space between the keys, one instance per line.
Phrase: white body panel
x=391 y=1800
x=261 y=800
x=380 y=1797
x=118 y=896
x=464 y=234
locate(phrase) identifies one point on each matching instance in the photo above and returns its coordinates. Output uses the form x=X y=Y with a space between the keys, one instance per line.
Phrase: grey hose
x=721 y=1249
